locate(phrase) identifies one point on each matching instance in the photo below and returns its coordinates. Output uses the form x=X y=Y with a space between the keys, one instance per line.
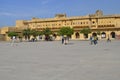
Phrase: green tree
x=85 y=31
x=36 y=33
x=47 y=32
x=11 y=34
x=39 y=33
x=27 y=33
x=66 y=31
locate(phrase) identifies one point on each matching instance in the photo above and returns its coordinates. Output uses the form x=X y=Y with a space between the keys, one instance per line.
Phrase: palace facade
x=106 y=25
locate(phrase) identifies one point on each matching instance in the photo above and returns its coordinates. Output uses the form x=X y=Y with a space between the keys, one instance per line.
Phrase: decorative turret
x=99 y=13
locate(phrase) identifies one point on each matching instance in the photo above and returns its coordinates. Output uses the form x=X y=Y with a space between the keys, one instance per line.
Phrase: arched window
x=94 y=34
x=77 y=35
x=103 y=35
x=113 y=34
x=55 y=35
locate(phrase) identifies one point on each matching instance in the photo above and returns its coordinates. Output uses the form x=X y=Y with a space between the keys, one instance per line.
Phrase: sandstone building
x=107 y=25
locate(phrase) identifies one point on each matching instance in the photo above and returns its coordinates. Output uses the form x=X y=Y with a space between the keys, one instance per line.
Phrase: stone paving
x=53 y=61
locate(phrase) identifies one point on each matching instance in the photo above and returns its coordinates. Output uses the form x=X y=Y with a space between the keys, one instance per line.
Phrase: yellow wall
x=97 y=22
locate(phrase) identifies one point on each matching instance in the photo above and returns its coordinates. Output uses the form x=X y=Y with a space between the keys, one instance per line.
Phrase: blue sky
x=12 y=10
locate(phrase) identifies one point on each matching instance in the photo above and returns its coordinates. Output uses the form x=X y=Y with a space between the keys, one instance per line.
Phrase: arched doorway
x=113 y=34
x=103 y=35
x=94 y=34
x=77 y=35
x=55 y=35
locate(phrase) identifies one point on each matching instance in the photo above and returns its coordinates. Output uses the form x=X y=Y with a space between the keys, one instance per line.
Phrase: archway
x=103 y=35
x=113 y=34
x=94 y=34
x=55 y=35
x=77 y=35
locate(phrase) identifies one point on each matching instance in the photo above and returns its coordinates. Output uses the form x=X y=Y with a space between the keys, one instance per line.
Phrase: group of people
x=65 y=40
x=93 y=40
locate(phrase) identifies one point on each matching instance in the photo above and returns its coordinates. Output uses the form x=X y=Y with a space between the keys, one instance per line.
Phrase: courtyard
x=78 y=60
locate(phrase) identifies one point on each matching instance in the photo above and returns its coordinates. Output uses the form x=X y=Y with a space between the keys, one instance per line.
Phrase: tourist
x=13 y=40
x=91 y=40
x=62 y=39
x=108 y=39
x=95 y=40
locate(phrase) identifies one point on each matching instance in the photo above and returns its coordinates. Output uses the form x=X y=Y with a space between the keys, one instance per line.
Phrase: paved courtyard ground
x=53 y=61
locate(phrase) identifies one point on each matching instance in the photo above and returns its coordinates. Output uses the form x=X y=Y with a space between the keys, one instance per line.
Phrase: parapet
x=60 y=15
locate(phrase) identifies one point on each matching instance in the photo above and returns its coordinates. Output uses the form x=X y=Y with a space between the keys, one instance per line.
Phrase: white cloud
x=45 y=2
x=14 y=14
x=6 y=14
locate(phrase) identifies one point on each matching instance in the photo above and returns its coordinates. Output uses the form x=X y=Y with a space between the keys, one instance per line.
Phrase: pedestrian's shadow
x=70 y=44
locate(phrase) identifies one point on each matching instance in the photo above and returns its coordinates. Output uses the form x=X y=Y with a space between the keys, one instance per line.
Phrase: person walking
x=65 y=39
x=91 y=40
x=95 y=40
x=62 y=39
x=108 y=39
x=13 y=40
